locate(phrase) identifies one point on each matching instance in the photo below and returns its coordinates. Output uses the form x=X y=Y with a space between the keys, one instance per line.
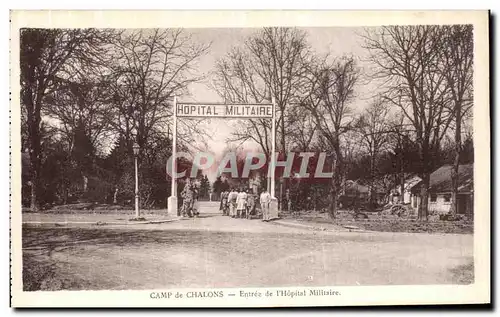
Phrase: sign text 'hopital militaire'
x=224 y=110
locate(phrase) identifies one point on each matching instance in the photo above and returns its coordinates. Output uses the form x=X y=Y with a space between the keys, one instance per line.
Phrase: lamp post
x=136 y=153
x=281 y=195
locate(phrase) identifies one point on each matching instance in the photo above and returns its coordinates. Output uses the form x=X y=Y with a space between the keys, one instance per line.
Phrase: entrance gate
x=223 y=110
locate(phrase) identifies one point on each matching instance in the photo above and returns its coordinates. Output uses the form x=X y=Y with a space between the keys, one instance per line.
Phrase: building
x=406 y=197
x=440 y=190
x=355 y=190
x=352 y=194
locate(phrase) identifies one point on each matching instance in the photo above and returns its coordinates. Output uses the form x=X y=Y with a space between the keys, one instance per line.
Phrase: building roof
x=440 y=179
x=412 y=181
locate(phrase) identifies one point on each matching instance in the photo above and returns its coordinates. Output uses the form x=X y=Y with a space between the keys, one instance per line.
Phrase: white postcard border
x=479 y=292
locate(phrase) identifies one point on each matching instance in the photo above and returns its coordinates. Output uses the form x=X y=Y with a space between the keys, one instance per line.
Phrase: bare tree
x=329 y=102
x=83 y=101
x=302 y=129
x=458 y=47
x=151 y=66
x=408 y=62
x=352 y=149
x=79 y=111
x=48 y=57
x=373 y=127
x=401 y=147
x=273 y=62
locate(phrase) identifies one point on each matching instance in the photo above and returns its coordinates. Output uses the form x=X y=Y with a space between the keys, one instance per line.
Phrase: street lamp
x=136 y=153
x=281 y=194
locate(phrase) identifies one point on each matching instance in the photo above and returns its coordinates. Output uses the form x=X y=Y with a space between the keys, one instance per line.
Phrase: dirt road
x=217 y=251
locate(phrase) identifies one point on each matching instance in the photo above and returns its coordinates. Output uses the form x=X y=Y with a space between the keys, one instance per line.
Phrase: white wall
x=407 y=197
x=440 y=206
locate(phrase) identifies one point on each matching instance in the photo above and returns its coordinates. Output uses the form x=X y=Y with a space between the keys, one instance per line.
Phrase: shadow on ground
x=76 y=258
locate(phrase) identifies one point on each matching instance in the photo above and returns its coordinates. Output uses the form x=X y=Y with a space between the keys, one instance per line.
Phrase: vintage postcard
x=249 y=158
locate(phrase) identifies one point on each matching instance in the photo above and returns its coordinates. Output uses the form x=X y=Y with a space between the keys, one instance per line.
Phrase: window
x=447 y=198
x=433 y=198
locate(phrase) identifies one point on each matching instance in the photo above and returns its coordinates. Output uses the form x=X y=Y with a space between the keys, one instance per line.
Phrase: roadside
x=386 y=223
x=180 y=254
x=309 y=225
x=96 y=218
x=308 y=221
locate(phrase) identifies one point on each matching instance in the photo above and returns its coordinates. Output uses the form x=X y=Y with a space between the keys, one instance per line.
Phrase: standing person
x=195 y=204
x=225 y=206
x=288 y=200
x=187 y=199
x=224 y=203
x=220 y=200
x=251 y=202
x=265 y=200
x=241 y=203
x=233 y=195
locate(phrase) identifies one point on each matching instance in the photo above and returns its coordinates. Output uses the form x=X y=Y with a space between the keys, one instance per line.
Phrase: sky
x=336 y=41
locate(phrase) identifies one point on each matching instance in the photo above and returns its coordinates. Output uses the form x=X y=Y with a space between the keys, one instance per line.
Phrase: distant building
x=406 y=197
x=440 y=190
x=355 y=190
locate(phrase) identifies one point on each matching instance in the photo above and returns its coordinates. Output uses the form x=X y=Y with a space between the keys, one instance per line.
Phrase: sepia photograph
x=271 y=164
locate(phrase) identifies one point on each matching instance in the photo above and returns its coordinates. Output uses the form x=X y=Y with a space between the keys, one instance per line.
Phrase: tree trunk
x=85 y=183
x=332 y=210
x=35 y=163
x=35 y=185
x=372 y=180
x=34 y=198
x=115 y=195
x=400 y=174
x=424 y=194
x=456 y=163
x=336 y=180
x=284 y=180
x=425 y=159
x=282 y=128
x=33 y=120
x=402 y=186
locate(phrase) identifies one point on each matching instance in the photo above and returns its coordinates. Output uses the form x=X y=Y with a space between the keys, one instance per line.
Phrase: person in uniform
x=241 y=203
x=288 y=200
x=223 y=203
x=195 y=205
x=233 y=195
x=220 y=200
x=265 y=201
x=187 y=199
x=251 y=202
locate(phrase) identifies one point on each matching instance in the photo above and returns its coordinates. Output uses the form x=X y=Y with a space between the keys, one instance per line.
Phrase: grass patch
x=35 y=272
x=403 y=225
x=137 y=219
x=45 y=276
x=463 y=274
x=388 y=223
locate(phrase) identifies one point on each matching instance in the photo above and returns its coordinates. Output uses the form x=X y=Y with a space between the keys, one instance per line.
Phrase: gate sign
x=221 y=110
x=185 y=109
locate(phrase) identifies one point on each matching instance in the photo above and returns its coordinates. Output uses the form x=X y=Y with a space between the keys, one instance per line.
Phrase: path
x=218 y=251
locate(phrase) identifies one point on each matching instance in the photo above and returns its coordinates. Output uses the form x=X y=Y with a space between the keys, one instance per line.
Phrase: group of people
x=242 y=203
x=189 y=196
